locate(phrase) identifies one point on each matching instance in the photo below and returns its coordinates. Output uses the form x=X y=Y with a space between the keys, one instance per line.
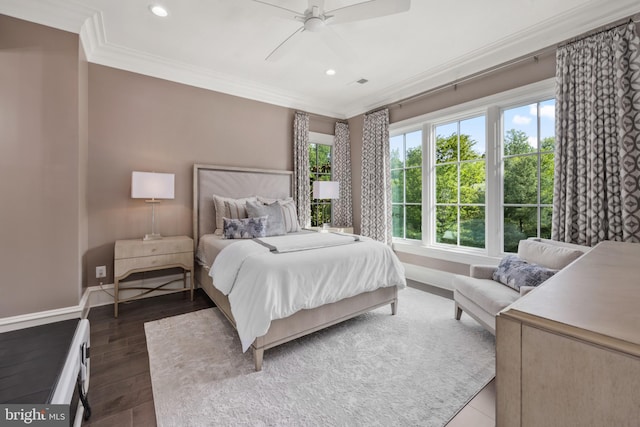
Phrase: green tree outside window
x=319 y=170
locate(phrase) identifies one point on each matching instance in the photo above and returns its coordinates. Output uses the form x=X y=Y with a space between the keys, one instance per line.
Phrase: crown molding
x=561 y=27
x=67 y=15
x=123 y=58
x=73 y=16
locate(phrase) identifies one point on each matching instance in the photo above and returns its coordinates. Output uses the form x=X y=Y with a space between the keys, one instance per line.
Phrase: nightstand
x=135 y=256
x=348 y=230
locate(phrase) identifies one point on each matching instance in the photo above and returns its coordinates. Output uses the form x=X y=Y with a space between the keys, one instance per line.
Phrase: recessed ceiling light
x=330 y=72
x=158 y=10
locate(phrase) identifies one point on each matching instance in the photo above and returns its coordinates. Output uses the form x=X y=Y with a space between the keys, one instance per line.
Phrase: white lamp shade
x=326 y=190
x=152 y=185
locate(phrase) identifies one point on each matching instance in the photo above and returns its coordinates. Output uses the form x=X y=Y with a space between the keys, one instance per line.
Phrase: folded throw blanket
x=303 y=242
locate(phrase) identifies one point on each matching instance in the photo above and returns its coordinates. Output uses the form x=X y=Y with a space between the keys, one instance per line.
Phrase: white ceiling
x=221 y=44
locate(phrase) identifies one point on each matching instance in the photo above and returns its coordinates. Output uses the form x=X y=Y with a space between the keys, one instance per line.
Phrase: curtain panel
x=301 y=186
x=597 y=154
x=341 y=171
x=376 y=177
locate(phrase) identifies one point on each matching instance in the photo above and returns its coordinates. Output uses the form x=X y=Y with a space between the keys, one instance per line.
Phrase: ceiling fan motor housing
x=314 y=24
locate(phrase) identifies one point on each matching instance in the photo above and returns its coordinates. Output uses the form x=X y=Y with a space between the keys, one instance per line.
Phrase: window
x=487 y=170
x=528 y=144
x=460 y=183
x=320 y=170
x=406 y=184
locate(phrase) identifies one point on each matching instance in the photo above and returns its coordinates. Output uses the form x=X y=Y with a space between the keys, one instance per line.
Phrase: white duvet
x=263 y=285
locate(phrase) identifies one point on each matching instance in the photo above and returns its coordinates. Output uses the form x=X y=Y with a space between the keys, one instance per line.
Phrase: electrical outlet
x=101 y=271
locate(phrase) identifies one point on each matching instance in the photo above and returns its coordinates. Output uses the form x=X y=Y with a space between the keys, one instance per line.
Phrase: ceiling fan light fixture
x=314 y=24
x=330 y=72
x=158 y=10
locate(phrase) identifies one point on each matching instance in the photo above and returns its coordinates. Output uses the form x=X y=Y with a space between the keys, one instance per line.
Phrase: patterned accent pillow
x=273 y=212
x=289 y=212
x=244 y=228
x=222 y=211
x=515 y=272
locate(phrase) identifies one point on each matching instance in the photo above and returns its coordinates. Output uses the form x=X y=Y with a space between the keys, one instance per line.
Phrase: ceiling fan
x=316 y=19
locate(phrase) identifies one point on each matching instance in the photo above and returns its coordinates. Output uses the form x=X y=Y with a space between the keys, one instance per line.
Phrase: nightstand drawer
x=123 y=266
x=139 y=248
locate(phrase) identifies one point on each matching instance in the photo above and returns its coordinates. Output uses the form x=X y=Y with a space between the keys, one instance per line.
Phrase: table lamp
x=326 y=190
x=152 y=186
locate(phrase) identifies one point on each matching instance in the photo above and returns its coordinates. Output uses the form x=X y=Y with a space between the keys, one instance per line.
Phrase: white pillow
x=289 y=212
x=547 y=255
x=230 y=208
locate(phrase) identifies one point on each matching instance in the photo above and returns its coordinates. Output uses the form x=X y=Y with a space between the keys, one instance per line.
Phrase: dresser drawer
x=140 y=248
x=123 y=266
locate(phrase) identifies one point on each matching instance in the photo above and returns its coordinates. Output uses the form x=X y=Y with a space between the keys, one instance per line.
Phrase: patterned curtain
x=597 y=155
x=376 y=177
x=341 y=171
x=302 y=188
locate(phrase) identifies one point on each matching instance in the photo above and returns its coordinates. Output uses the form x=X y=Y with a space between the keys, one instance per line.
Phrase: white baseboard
x=93 y=296
x=39 y=318
x=430 y=276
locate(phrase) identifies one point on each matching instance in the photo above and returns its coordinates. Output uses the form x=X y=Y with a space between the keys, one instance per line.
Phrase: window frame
x=491 y=107
x=538 y=155
x=431 y=127
x=404 y=172
x=321 y=139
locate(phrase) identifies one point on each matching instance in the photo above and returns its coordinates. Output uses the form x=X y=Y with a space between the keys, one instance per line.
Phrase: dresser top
x=598 y=294
x=32 y=359
x=169 y=240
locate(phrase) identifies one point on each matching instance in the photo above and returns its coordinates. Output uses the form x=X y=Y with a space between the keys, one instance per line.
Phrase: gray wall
x=142 y=123
x=42 y=161
x=72 y=133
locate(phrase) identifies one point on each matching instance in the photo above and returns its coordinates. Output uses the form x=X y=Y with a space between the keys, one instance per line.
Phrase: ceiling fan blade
x=279 y=11
x=284 y=47
x=367 y=10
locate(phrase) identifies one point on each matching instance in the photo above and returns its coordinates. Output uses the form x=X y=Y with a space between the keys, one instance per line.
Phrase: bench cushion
x=546 y=255
x=488 y=294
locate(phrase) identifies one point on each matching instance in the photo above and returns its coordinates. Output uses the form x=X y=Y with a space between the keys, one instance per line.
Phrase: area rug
x=416 y=368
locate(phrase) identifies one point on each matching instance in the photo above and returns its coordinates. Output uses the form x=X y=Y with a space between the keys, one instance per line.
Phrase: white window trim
x=321 y=138
x=492 y=107
x=324 y=139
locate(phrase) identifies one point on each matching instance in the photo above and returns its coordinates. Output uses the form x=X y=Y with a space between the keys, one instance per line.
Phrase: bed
x=238 y=183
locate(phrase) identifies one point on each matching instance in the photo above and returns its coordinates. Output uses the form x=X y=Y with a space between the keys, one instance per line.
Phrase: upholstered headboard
x=232 y=182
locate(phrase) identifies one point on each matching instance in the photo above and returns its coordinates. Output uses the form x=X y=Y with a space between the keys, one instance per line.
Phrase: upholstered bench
x=482 y=297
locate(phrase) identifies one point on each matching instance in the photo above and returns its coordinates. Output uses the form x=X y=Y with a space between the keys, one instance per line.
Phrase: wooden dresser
x=568 y=353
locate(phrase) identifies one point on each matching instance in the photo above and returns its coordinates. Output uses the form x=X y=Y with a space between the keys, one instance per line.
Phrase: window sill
x=446 y=254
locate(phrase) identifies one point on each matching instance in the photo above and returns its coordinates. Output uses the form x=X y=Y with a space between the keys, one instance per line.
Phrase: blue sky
x=522 y=118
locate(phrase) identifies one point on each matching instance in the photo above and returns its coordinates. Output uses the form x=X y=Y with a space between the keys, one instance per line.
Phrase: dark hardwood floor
x=120 y=386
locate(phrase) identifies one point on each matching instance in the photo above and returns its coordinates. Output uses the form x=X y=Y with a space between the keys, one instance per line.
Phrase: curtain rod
x=532 y=56
x=535 y=56
x=602 y=29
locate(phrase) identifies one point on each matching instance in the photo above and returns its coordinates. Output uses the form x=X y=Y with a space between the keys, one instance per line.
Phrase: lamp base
x=152 y=236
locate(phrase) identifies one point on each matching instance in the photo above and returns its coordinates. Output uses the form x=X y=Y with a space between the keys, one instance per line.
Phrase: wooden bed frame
x=242 y=182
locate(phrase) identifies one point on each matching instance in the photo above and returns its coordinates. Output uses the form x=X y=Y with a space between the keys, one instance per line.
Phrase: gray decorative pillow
x=244 y=228
x=515 y=272
x=289 y=212
x=275 y=220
